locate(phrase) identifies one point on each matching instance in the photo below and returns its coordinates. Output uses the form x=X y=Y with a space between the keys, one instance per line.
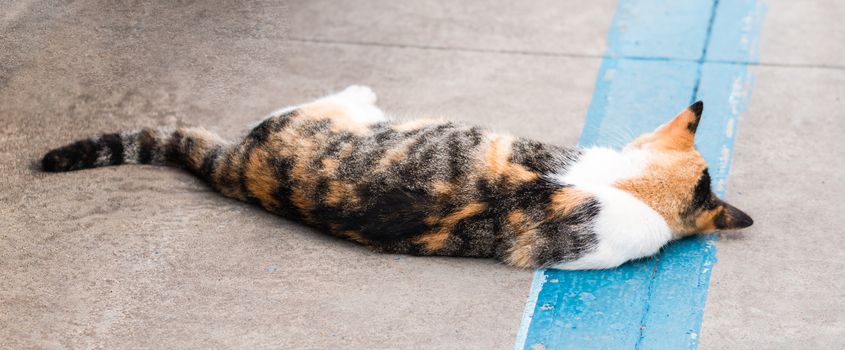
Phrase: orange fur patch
x=203 y=141
x=667 y=185
x=354 y=236
x=431 y=220
x=468 y=210
x=337 y=114
x=227 y=176
x=345 y=151
x=516 y=218
x=341 y=192
x=260 y=178
x=433 y=241
x=280 y=144
x=329 y=166
x=520 y=255
x=305 y=148
x=566 y=199
x=705 y=222
x=498 y=164
x=672 y=136
x=302 y=201
x=441 y=187
x=391 y=156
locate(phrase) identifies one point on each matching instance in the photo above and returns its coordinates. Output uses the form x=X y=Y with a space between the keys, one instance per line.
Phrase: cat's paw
x=360 y=93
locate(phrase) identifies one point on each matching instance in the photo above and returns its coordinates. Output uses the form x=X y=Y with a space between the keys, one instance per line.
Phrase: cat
x=427 y=187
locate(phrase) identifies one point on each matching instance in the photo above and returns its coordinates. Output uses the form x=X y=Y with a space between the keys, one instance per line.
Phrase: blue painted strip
x=536 y=284
x=657 y=63
x=736 y=32
x=680 y=288
x=659 y=28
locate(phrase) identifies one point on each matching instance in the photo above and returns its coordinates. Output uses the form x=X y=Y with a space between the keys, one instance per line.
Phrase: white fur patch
x=626 y=228
x=162 y=138
x=604 y=166
x=358 y=100
x=103 y=155
x=130 y=147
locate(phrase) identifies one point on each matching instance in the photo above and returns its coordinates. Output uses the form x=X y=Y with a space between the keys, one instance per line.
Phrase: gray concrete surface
x=779 y=285
x=550 y=27
x=803 y=33
x=144 y=257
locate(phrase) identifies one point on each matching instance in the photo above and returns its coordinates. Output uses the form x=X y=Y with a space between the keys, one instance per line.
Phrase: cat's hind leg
x=359 y=102
x=356 y=103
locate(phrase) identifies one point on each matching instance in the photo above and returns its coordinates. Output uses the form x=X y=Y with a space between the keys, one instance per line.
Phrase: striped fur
x=421 y=187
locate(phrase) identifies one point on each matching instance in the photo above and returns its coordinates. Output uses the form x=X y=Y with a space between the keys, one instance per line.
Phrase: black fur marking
x=732 y=218
x=282 y=167
x=460 y=145
x=270 y=126
x=395 y=214
x=251 y=143
x=332 y=148
x=78 y=155
x=261 y=132
x=282 y=121
x=312 y=128
x=575 y=227
x=115 y=145
x=208 y=161
x=692 y=126
x=175 y=152
x=563 y=239
x=146 y=146
x=696 y=108
x=425 y=138
x=533 y=198
x=54 y=161
x=702 y=198
x=541 y=157
x=385 y=135
x=426 y=155
x=477 y=235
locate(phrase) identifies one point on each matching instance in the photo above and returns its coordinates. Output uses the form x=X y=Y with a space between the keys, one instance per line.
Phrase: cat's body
x=437 y=188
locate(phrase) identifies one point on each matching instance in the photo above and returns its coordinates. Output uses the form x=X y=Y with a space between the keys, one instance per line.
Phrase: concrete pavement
x=780 y=284
x=144 y=257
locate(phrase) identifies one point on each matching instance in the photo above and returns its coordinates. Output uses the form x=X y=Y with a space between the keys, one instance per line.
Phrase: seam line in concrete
x=703 y=57
x=560 y=54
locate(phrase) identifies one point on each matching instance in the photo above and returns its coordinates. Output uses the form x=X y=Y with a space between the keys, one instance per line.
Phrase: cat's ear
x=679 y=133
x=731 y=218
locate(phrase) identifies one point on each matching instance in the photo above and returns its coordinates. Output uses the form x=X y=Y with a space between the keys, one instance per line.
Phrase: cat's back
x=399 y=186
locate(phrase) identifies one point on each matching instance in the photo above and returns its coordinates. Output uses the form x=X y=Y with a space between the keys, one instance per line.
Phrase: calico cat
x=437 y=188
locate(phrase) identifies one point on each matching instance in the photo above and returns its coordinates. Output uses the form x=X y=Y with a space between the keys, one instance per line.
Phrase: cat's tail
x=195 y=149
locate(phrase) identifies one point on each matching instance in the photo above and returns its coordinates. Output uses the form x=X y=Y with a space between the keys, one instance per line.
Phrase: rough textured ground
x=149 y=257
x=780 y=285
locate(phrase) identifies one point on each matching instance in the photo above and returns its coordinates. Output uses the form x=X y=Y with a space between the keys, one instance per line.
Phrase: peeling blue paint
x=661 y=56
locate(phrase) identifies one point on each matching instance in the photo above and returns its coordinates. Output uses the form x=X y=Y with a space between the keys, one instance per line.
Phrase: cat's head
x=676 y=182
